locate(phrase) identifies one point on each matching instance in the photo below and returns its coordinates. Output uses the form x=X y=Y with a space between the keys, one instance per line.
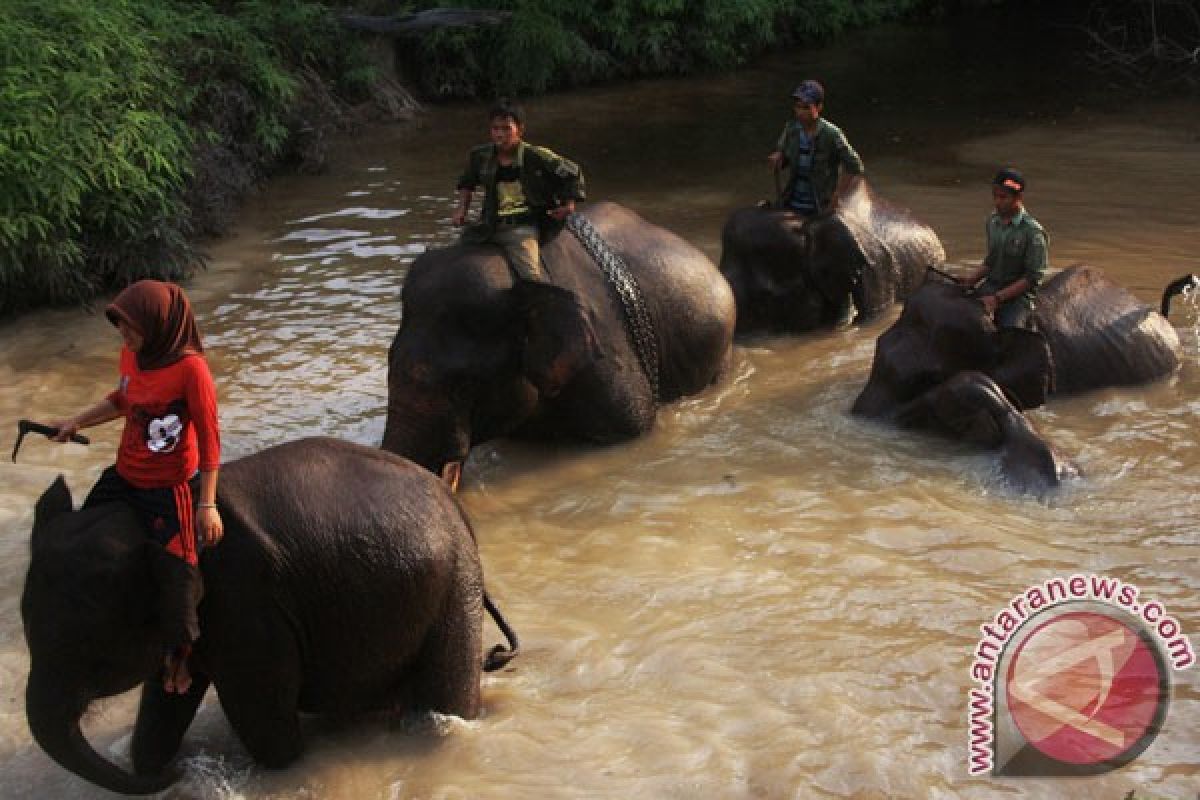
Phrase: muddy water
x=764 y=597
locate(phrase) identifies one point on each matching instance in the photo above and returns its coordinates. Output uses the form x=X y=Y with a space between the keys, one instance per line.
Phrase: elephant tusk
x=452 y=474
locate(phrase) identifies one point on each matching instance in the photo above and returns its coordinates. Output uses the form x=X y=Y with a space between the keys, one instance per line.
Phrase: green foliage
x=554 y=43
x=91 y=144
x=308 y=36
x=104 y=108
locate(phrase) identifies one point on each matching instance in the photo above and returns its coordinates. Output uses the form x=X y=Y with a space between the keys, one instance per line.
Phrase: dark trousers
x=1017 y=313
x=167 y=521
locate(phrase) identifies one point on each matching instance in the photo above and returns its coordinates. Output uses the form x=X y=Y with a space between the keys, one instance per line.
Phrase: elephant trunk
x=53 y=714
x=424 y=429
x=1186 y=283
x=1030 y=463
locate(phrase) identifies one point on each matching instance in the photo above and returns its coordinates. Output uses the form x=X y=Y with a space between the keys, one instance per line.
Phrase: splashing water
x=1191 y=296
x=213 y=777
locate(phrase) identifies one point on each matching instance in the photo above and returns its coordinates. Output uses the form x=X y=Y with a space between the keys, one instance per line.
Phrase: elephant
x=348 y=580
x=792 y=275
x=480 y=355
x=944 y=365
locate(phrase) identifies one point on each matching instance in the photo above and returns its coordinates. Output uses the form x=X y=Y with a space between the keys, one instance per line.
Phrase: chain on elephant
x=637 y=318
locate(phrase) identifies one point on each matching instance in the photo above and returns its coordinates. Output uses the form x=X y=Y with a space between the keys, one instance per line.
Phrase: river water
x=764 y=597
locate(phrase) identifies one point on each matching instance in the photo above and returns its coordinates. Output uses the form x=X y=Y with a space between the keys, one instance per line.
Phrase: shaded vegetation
x=558 y=43
x=129 y=127
x=551 y=44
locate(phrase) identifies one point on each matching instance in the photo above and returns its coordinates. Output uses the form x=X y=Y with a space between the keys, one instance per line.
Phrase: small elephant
x=479 y=356
x=792 y=275
x=348 y=580
x=946 y=367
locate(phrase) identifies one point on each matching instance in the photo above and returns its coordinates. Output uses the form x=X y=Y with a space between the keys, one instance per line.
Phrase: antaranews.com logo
x=1072 y=679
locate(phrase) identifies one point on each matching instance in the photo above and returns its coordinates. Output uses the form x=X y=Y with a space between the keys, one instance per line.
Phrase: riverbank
x=131 y=133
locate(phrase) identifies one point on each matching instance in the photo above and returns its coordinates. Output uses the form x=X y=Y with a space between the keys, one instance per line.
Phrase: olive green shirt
x=547 y=181
x=1015 y=250
x=831 y=152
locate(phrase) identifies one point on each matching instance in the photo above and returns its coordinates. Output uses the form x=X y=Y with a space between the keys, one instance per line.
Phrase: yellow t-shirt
x=510 y=197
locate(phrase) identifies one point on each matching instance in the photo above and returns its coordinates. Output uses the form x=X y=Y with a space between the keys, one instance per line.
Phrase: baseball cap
x=810 y=92
x=1008 y=178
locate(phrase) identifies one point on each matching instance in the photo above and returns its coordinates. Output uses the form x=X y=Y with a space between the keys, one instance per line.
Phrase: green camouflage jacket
x=547 y=179
x=1016 y=250
x=831 y=152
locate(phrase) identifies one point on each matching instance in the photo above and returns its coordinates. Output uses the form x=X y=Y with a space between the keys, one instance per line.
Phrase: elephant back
x=792 y=274
x=1100 y=334
x=328 y=497
x=687 y=304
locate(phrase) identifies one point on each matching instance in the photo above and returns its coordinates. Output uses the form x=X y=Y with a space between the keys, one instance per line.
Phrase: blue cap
x=810 y=92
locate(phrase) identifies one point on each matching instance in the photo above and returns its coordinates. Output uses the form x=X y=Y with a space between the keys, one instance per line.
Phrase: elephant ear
x=559 y=337
x=54 y=501
x=1025 y=368
x=873 y=270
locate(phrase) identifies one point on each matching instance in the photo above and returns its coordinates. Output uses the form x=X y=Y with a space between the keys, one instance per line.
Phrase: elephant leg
x=163 y=717
x=263 y=710
x=265 y=719
x=445 y=676
x=256 y=667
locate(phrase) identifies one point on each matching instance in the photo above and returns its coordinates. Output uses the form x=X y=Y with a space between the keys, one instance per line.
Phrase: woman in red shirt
x=167 y=397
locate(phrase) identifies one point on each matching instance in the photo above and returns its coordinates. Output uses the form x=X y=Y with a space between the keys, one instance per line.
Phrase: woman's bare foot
x=176 y=677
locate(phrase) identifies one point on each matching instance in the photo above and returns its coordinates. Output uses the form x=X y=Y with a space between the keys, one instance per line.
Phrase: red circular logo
x=1085 y=688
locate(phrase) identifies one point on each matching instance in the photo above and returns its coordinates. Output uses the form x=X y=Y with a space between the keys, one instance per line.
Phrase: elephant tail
x=499 y=655
x=1187 y=283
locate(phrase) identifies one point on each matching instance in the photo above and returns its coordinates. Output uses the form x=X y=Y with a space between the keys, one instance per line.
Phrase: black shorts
x=168 y=513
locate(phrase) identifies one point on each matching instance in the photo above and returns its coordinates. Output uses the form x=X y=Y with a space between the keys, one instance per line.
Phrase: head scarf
x=161 y=313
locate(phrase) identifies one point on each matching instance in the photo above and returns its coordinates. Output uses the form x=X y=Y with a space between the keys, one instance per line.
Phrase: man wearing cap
x=1016 y=256
x=822 y=166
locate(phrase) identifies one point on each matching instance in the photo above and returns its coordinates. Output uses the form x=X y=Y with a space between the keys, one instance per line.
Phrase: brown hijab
x=161 y=313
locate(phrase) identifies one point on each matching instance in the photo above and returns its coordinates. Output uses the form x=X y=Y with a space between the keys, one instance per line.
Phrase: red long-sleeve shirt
x=170 y=421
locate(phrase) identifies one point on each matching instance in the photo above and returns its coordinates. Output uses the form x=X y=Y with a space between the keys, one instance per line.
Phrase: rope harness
x=637 y=317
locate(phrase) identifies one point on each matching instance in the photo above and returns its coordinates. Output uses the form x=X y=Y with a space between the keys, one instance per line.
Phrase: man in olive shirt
x=525 y=187
x=822 y=166
x=1016 y=256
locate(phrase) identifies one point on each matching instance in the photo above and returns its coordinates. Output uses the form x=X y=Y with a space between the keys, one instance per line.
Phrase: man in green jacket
x=526 y=188
x=822 y=166
x=1016 y=255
